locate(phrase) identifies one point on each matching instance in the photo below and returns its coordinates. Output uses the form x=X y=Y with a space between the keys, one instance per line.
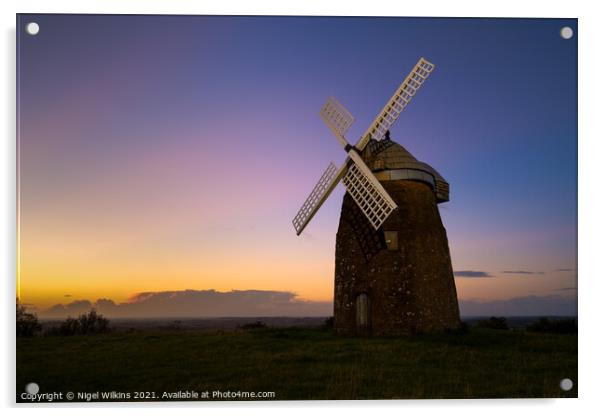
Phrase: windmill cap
x=391 y=161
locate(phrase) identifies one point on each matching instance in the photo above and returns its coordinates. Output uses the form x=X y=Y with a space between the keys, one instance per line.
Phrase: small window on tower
x=391 y=240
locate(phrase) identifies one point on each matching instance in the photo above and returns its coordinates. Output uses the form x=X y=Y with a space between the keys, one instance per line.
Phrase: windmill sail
x=362 y=185
x=369 y=195
x=337 y=118
x=327 y=182
x=397 y=103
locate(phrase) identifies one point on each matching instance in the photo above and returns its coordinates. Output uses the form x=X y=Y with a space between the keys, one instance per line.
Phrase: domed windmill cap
x=390 y=161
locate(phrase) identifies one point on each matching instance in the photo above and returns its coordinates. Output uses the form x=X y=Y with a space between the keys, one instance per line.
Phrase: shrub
x=86 y=324
x=27 y=322
x=462 y=329
x=329 y=322
x=493 y=323
x=555 y=326
x=254 y=325
x=93 y=323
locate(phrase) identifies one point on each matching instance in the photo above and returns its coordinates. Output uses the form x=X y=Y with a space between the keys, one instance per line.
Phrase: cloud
x=258 y=303
x=565 y=289
x=564 y=270
x=471 y=273
x=67 y=296
x=199 y=303
x=70 y=309
x=553 y=305
x=483 y=274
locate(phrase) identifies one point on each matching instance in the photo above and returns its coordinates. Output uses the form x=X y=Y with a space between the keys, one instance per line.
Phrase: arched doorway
x=362 y=312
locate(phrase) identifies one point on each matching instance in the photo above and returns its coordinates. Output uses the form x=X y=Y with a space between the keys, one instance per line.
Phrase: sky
x=164 y=157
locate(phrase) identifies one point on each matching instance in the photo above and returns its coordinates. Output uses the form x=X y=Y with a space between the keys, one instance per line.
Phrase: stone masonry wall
x=410 y=289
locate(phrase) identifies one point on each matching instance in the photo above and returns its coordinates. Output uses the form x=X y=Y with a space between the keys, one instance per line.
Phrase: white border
x=589 y=182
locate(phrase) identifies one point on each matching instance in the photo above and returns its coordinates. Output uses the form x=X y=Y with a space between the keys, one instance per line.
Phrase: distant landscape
x=231 y=323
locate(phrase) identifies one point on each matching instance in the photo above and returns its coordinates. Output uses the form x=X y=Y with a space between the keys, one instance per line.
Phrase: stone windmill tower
x=393 y=270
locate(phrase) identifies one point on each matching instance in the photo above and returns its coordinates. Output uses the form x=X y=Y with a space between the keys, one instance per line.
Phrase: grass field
x=303 y=364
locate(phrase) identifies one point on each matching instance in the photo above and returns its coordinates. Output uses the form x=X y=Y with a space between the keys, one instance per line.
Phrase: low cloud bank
x=198 y=303
x=471 y=273
x=250 y=303
x=562 y=289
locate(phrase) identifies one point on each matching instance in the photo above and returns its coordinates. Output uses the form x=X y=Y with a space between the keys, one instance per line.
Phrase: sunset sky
x=165 y=153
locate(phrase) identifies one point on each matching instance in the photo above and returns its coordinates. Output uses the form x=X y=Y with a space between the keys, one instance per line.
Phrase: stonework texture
x=409 y=285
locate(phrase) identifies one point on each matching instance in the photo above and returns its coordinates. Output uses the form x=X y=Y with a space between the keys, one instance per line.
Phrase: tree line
x=88 y=323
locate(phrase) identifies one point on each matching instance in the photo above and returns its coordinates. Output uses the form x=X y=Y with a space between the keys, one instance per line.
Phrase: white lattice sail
x=374 y=202
x=336 y=117
x=318 y=195
x=398 y=102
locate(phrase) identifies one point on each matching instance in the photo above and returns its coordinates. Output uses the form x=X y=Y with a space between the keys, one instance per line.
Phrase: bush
x=493 y=323
x=27 y=322
x=254 y=325
x=555 y=326
x=86 y=324
x=329 y=322
x=462 y=329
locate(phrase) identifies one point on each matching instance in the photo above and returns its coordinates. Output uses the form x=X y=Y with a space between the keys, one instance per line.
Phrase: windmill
x=393 y=269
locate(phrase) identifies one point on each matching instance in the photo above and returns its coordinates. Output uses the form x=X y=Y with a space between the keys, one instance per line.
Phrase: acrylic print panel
x=162 y=159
